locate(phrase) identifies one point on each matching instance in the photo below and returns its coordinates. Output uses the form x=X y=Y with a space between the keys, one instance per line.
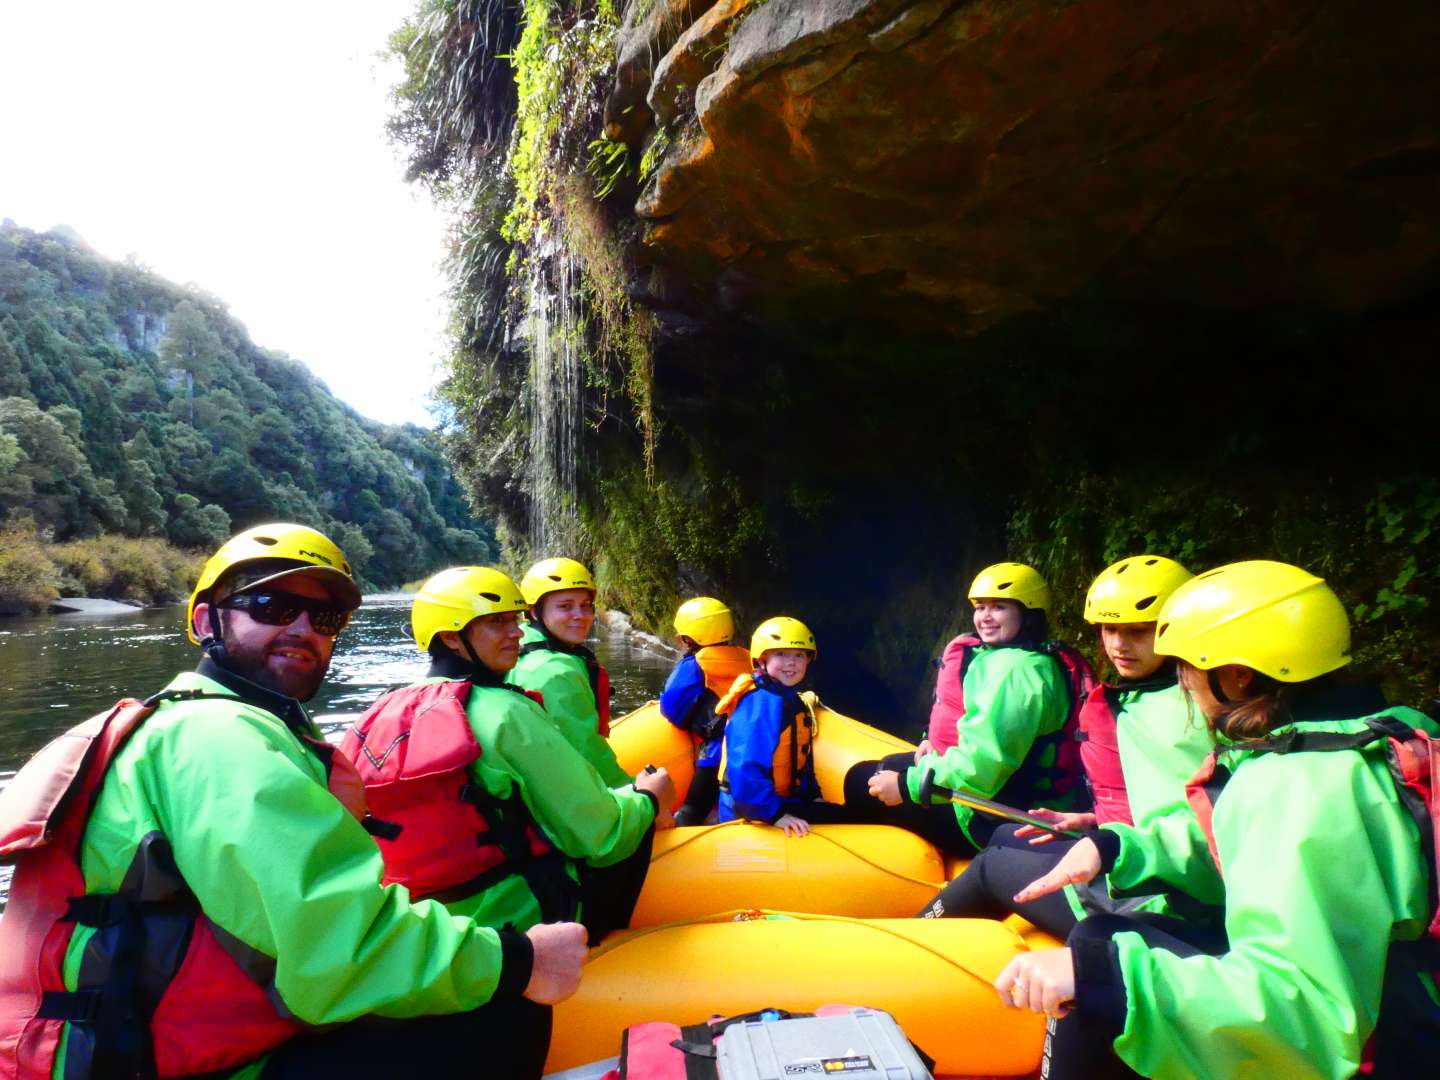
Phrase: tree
x=196 y=526
x=13 y=382
x=15 y=489
x=63 y=487
x=190 y=347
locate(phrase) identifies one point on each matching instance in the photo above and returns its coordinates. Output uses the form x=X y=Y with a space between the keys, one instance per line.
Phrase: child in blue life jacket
x=767 y=772
x=709 y=668
x=1140 y=743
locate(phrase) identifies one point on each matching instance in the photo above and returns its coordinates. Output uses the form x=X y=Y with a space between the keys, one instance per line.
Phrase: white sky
x=240 y=147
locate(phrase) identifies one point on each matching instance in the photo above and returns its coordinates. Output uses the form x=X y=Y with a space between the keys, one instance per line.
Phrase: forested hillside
x=132 y=405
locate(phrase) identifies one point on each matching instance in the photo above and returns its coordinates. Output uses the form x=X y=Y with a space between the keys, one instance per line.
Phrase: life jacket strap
x=72 y=1006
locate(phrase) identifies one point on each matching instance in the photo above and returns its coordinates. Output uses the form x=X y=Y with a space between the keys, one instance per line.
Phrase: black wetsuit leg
x=1083 y=1043
x=608 y=894
x=987 y=887
x=704 y=793
x=936 y=824
x=503 y=1038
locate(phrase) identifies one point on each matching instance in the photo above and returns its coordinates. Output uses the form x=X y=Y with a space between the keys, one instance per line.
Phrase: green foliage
x=126 y=568
x=608 y=163
x=27 y=576
x=143 y=408
x=1373 y=551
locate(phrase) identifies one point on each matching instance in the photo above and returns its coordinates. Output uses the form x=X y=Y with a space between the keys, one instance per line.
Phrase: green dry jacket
x=276 y=861
x=1012 y=697
x=1163 y=739
x=569 y=702
x=1322 y=870
x=588 y=821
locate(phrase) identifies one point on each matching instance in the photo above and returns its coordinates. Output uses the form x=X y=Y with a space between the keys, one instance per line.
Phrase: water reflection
x=56 y=670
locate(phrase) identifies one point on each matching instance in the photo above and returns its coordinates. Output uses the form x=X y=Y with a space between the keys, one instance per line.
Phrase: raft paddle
x=929 y=789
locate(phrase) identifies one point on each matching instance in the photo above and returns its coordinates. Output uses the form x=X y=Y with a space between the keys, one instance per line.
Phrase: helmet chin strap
x=1213 y=678
x=470 y=652
x=213 y=644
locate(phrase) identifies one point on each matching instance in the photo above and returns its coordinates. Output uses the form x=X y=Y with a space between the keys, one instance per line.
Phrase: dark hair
x=1254 y=716
x=1034 y=627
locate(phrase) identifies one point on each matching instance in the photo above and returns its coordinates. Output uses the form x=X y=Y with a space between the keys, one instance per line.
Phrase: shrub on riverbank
x=126 y=568
x=27 y=576
x=33 y=571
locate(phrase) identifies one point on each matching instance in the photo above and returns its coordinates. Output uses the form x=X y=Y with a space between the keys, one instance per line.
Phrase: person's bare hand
x=559 y=953
x=1042 y=982
x=1070 y=822
x=885 y=786
x=793 y=826
x=1080 y=864
x=659 y=784
x=923 y=749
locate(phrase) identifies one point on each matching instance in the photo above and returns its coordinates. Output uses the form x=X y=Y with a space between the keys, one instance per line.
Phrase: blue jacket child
x=704 y=627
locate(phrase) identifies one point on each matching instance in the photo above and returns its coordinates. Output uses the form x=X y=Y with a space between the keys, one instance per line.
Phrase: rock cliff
x=923 y=284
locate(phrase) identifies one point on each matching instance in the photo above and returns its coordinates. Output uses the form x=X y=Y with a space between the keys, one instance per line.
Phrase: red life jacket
x=949 y=703
x=443 y=834
x=1100 y=756
x=198 y=1012
x=1053 y=766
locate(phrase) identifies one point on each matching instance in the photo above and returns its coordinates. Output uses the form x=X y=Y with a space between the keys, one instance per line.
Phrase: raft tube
x=866 y=871
x=842 y=742
x=645 y=737
x=933 y=975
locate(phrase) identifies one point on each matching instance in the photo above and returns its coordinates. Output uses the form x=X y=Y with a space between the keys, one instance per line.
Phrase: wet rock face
x=958 y=163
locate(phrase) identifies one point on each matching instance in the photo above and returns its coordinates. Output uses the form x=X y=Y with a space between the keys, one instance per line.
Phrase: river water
x=57 y=670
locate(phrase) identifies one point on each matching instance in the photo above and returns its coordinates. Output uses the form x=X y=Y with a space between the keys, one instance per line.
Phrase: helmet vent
x=494 y=598
x=346 y=567
x=266 y=540
x=1141 y=605
x=553 y=577
x=1161 y=631
x=1005 y=585
x=1151 y=562
x=1210 y=573
x=1122 y=568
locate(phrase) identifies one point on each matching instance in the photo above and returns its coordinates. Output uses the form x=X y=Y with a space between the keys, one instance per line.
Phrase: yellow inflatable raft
x=933 y=975
x=867 y=871
x=645 y=737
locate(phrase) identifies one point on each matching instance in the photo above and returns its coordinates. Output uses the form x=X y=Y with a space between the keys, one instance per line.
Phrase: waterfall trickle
x=554 y=331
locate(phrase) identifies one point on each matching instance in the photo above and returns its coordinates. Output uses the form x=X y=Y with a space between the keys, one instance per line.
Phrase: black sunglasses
x=327 y=618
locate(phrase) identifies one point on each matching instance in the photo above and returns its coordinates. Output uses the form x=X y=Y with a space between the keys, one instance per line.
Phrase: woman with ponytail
x=1324 y=886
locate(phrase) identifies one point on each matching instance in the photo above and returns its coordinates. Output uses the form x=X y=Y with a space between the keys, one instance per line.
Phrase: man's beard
x=249 y=664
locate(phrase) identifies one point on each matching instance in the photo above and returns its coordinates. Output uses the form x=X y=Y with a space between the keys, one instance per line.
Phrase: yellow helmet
x=305 y=549
x=552 y=575
x=1270 y=616
x=781 y=632
x=705 y=621
x=1134 y=589
x=452 y=598
x=1012 y=581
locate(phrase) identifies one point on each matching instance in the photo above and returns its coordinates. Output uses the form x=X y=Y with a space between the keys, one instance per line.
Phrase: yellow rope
x=727 y=916
x=708 y=829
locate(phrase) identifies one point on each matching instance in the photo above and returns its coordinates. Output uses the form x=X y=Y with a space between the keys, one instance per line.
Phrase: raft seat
x=933 y=975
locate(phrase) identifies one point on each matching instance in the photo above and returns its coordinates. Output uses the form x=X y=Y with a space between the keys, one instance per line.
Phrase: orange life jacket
x=792 y=760
x=722 y=665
